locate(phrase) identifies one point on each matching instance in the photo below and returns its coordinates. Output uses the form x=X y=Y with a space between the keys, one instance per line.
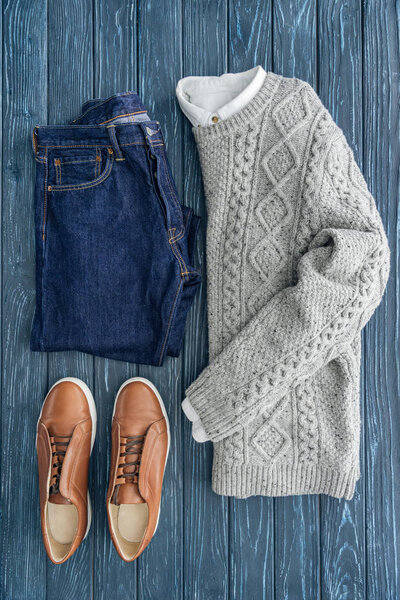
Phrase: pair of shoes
x=66 y=431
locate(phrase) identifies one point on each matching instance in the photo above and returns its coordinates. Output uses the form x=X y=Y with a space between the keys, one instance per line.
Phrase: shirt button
x=214 y=119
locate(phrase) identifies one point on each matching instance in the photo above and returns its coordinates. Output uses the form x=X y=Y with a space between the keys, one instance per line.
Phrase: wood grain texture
x=58 y=54
x=340 y=88
x=382 y=416
x=206 y=554
x=24 y=374
x=295 y=39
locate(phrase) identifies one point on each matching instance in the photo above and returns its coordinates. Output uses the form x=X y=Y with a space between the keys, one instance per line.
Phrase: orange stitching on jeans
x=45 y=202
x=73 y=146
x=124 y=115
x=97 y=170
x=85 y=186
x=179 y=236
x=133 y=143
x=173 y=245
x=57 y=164
x=92 y=145
x=175 y=250
x=176 y=253
x=174 y=199
x=101 y=104
x=169 y=185
x=182 y=234
x=75 y=162
x=34 y=140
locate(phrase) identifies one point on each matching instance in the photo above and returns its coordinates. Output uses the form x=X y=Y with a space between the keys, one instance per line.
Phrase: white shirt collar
x=207 y=100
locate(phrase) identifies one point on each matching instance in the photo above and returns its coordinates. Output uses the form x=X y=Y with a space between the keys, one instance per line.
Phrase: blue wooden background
x=57 y=54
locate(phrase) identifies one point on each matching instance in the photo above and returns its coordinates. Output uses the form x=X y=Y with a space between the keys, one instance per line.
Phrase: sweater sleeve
x=341 y=278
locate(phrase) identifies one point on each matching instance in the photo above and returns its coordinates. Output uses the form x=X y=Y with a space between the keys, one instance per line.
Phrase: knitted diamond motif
x=273 y=212
x=266 y=253
x=280 y=162
x=267 y=257
x=269 y=441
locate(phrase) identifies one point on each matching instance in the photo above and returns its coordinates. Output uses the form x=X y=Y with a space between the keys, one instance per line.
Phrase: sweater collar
x=239 y=120
x=207 y=100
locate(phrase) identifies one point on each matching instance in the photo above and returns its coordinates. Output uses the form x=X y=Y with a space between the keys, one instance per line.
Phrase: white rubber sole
x=93 y=416
x=161 y=403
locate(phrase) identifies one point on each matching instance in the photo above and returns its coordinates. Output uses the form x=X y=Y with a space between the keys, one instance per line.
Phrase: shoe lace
x=133 y=445
x=57 y=464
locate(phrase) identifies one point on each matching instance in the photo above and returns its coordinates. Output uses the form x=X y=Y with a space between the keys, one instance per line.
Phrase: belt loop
x=148 y=132
x=114 y=142
x=34 y=141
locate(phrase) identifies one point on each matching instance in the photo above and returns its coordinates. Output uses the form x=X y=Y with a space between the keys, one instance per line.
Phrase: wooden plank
x=1 y=286
x=23 y=562
x=115 y=47
x=115 y=70
x=70 y=78
x=297 y=532
x=382 y=415
x=160 y=64
x=295 y=39
x=251 y=525
x=206 y=546
x=340 y=88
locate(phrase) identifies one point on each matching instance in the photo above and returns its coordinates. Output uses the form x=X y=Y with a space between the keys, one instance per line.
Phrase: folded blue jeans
x=114 y=246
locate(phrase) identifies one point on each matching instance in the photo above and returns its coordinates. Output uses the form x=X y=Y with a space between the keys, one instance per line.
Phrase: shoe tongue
x=58 y=498
x=128 y=493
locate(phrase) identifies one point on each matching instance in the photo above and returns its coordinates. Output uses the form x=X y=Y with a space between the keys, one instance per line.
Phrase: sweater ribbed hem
x=281 y=480
x=239 y=120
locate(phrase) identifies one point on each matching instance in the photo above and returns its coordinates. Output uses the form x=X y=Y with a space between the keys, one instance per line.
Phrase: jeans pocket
x=78 y=168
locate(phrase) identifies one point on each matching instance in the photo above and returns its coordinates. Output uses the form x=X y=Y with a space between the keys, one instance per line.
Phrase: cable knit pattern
x=244 y=147
x=297 y=262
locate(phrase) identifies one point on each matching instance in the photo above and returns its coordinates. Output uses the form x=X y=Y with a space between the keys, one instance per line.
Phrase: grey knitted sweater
x=297 y=261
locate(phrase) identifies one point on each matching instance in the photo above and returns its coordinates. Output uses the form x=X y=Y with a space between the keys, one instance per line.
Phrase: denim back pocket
x=78 y=168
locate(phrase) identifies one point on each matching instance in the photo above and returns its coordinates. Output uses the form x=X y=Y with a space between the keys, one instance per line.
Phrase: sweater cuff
x=218 y=420
x=198 y=432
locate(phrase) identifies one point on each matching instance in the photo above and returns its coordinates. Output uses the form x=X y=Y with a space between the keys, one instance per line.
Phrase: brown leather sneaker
x=65 y=434
x=140 y=444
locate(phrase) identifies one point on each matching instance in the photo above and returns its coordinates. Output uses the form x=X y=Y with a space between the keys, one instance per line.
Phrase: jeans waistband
x=96 y=135
x=103 y=111
x=93 y=127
